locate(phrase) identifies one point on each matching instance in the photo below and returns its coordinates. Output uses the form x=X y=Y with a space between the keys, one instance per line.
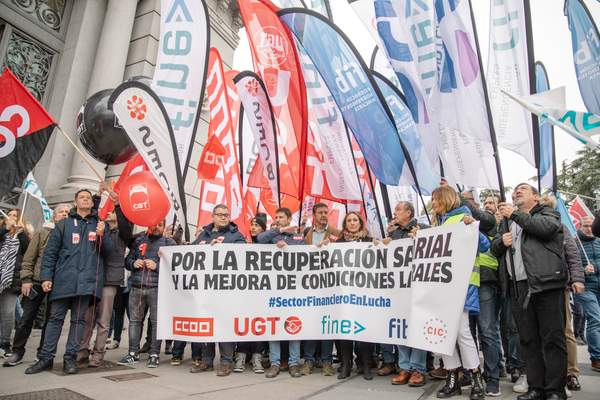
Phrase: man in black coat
x=221 y=230
x=540 y=274
x=73 y=273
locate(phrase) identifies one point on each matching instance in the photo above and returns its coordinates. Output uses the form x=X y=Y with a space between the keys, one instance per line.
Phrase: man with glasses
x=536 y=240
x=221 y=230
x=590 y=298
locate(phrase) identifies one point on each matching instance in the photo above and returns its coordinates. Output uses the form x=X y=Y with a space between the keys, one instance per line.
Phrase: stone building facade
x=66 y=50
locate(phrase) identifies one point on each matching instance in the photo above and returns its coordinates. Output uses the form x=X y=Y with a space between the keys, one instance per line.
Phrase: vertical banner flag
x=30 y=186
x=407 y=30
x=211 y=159
x=329 y=153
x=578 y=210
x=133 y=166
x=585 y=40
x=146 y=122
x=257 y=109
x=221 y=126
x=25 y=128
x=427 y=176
x=180 y=70
x=275 y=57
x=353 y=89
x=547 y=167
x=508 y=69
x=459 y=100
x=565 y=217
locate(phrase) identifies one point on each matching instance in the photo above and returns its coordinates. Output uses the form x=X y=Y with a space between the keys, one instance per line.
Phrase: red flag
x=276 y=59
x=133 y=166
x=25 y=128
x=211 y=159
x=226 y=186
x=579 y=210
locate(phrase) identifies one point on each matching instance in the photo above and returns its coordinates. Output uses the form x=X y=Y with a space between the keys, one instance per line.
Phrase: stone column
x=109 y=66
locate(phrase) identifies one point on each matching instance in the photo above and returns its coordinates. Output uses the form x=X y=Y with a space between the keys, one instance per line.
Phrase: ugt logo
x=137 y=108
x=272 y=49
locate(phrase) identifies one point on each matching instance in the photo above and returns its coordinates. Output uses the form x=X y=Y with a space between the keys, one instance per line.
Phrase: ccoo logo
x=137 y=108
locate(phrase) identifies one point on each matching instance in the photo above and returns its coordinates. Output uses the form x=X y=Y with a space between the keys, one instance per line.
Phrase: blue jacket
x=273 y=236
x=472 y=299
x=591 y=246
x=74 y=257
x=145 y=247
x=229 y=233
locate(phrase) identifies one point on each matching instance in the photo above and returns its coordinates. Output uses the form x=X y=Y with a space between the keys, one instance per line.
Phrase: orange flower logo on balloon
x=137 y=108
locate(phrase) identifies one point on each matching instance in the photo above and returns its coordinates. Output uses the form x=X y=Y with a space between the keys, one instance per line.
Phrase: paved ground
x=177 y=383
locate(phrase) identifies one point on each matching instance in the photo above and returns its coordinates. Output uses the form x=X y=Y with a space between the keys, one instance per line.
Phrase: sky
x=552 y=46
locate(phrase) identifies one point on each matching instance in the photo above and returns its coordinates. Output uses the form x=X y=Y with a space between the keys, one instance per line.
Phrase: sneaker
x=493 y=389
x=307 y=368
x=13 y=360
x=521 y=385
x=113 y=345
x=200 y=366
x=153 y=361
x=273 y=371
x=240 y=362
x=224 y=369
x=129 y=359
x=257 y=366
x=295 y=371
x=5 y=350
x=176 y=360
x=573 y=383
x=328 y=369
x=69 y=366
x=514 y=375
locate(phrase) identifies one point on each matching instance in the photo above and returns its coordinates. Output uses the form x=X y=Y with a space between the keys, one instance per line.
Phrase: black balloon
x=100 y=132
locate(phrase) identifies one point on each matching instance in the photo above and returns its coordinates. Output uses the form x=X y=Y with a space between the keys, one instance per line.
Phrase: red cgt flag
x=133 y=166
x=578 y=210
x=25 y=128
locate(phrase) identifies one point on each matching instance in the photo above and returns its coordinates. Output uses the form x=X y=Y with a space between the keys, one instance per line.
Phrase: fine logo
x=435 y=330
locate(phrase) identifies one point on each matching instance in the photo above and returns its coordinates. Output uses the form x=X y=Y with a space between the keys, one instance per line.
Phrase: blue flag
x=547 y=169
x=425 y=170
x=586 y=53
x=565 y=218
x=353 y=89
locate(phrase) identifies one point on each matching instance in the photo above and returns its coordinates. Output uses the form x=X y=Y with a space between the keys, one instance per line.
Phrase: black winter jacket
x=591 y=247
x=542 y=248
x=145 y=247
x=114 y=271
x=273 y=236
x=230 y=234
x=74 y=257
x=402 y=232
x=23 y=243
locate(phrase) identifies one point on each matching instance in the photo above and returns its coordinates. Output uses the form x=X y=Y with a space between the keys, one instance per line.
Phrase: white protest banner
x=354 y=291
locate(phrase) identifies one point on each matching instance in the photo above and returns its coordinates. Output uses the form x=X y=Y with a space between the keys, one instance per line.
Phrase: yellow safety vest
x=475 y=278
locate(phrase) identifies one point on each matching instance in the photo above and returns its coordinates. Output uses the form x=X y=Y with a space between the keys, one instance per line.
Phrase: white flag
x=508 y=69
x=31 y=186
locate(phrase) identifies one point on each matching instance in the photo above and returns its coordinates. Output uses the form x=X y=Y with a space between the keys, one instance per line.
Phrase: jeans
x=542 y=332
x=225 y=350
x=8 y=300
x=387 y=350
x=58 y=310
x=25 y=325
x=139 y=299
x=179 y=348
x=590 y=300
x=310 y=349
x=489 y=334
x=410 y=359
x=275 y=352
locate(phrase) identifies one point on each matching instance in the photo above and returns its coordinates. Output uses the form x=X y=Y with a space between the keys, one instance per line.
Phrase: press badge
x=75 y=238
x=92 y=236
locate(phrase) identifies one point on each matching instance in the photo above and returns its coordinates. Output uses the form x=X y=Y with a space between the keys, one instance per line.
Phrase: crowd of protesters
x=517 y=321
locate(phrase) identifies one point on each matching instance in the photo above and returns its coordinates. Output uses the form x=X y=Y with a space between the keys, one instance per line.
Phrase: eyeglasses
x=221 y=215
x=586 y=226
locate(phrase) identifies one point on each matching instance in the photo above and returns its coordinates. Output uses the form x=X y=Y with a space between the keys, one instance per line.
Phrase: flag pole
x=535 y=126
x=83 y=156
x=3 y=213
x=23 y=206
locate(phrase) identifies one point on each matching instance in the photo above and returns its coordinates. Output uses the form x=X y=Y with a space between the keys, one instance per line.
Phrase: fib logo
x=292 y=325
x=435 y=330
